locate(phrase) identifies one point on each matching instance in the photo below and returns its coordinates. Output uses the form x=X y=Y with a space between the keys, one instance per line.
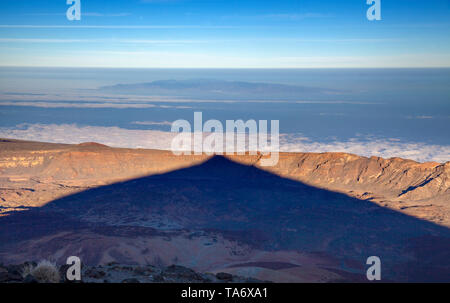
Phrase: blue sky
x=228 y=34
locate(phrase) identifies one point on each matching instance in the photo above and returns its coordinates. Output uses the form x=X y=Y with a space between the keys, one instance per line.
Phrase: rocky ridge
x=114 y=272
x=33 y=174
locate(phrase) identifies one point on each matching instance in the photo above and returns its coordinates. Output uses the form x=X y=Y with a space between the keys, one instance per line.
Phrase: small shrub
x=44 y=272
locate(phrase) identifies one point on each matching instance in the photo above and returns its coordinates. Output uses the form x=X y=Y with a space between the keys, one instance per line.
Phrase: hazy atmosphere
x=224 y=33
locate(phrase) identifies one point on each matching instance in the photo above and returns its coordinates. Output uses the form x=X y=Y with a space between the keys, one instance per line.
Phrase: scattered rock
x=30 y=279
x=95 y=273
x=131 y=280
x=16 y=270
x=117 y=273
x=158 y=278
x=8 y=277
x=143 y=271
x=224 y=276
x=180 y=272
x=32 y=263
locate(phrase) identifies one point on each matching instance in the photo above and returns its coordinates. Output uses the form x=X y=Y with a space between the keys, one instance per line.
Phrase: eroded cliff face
x=419 y=189
x=33 y=174
x=391 y=177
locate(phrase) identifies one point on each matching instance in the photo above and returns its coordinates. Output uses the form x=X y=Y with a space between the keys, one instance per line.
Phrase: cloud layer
x=87 y=105
x=152 y=139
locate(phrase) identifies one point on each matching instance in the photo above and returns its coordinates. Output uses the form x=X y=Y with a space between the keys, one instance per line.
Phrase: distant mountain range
x=219 y=89
x=313 y=217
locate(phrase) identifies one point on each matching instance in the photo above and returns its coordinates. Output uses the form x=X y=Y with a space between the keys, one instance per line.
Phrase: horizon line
x=218 y=67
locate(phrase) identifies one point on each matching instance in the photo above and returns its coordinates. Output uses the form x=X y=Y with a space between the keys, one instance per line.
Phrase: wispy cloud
x=296 y=16
x=190 y=41
x=150 y=123
x=85 y=14
x=125 y=41
x=280 y=16
x=93 y=14
x=160 y=1
x=37 y=26
x=421 y=117
x=88 y=105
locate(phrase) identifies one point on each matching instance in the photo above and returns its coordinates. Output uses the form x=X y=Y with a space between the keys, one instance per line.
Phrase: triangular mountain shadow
x=253 y=206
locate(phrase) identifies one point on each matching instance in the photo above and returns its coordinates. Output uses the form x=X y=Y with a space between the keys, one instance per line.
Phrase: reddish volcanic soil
x=34 y=173
x=311 y=218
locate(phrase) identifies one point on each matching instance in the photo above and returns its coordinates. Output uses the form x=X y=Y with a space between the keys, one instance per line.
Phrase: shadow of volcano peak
x=220 y=167
x=252 y=206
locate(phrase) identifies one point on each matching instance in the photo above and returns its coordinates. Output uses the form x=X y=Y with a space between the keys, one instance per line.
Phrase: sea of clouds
x=155 y=139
